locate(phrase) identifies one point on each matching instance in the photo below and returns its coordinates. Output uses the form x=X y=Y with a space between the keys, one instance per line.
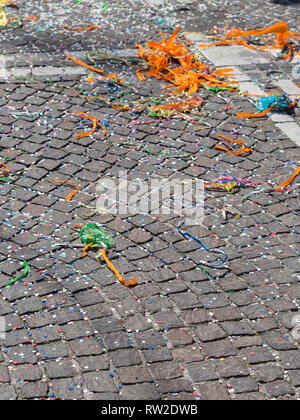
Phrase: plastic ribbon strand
x=102 y=253
x=92 y=234
x=24 y=274
x=274 y=101
x=89 y=28
x=223 y=182
x=4 y=171
x=88 y=241
x=189 y=75
x=24 y=19
x=71 y=195
x=215 y=251
x=242 y=150
x=280 y=30
x=81 y=63
x=229 y=187
x=289 y=181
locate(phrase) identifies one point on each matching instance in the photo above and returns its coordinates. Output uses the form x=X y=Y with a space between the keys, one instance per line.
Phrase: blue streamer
x=216 y=251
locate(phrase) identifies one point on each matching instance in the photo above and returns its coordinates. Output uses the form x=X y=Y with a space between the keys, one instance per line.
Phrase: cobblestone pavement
x=183 y=332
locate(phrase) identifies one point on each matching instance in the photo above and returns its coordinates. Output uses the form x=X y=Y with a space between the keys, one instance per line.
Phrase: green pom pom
x=92 y=233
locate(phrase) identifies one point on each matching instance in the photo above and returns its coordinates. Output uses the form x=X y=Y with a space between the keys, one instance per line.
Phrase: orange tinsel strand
x=71 y=195
x=242 y=150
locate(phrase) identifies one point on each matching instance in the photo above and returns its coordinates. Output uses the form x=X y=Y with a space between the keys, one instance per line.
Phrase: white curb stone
x=233 y=55
x=288 y=87
x=251 y=88
x=291 y=130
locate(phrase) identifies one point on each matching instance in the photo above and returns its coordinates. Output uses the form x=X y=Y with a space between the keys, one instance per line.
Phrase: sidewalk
x=185 y=331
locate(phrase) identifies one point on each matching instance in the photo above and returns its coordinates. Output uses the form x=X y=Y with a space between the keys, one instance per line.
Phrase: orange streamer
x=114 y=270
x=159 y=58
x=289 y=181
x=242 y=150
x=280 y=30
x=192 y=103
x=81 y=63
x=71 y=195
x=259 y=114
x=6 y=170
x=89 y=28
x=93 y=119
x=25 y=19
x=86 y=248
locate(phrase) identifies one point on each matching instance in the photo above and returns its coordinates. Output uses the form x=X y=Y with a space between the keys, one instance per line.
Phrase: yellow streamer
x=3 y=18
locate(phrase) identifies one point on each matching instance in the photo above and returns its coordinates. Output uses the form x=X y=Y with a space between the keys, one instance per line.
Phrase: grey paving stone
x=140 y=392
x=99 y=382
x=280 y=388
x=290 y=359
x=210 y=332
x=195 y=316
x=157 y=355
x=134 y=375
x=179 y=337
x=213 y=392
x=148 y=339
x=27 y=373
x=166 y=370
x=294 y=377
x=34 y=390
x=66 y=298
x=238 y=328
x=53 y=350
x=231 y=367
x=105 y=396
x=251 y=396
x=67 y=389
x=220 y=348
x=22 y=354
x=242 y=385
x=62 y=369
x=201 y=371
x=93 y=363
x=174 y=386
x=256 y=355
x=126 y=357
x=188 y=354
x=86 y=346
x=78 y=329
x=268 y=373
x=32 y=304
x=7 y=392
x=165 y=320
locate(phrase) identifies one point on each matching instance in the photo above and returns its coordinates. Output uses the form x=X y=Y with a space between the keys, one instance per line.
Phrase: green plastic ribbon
x=24 y=274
